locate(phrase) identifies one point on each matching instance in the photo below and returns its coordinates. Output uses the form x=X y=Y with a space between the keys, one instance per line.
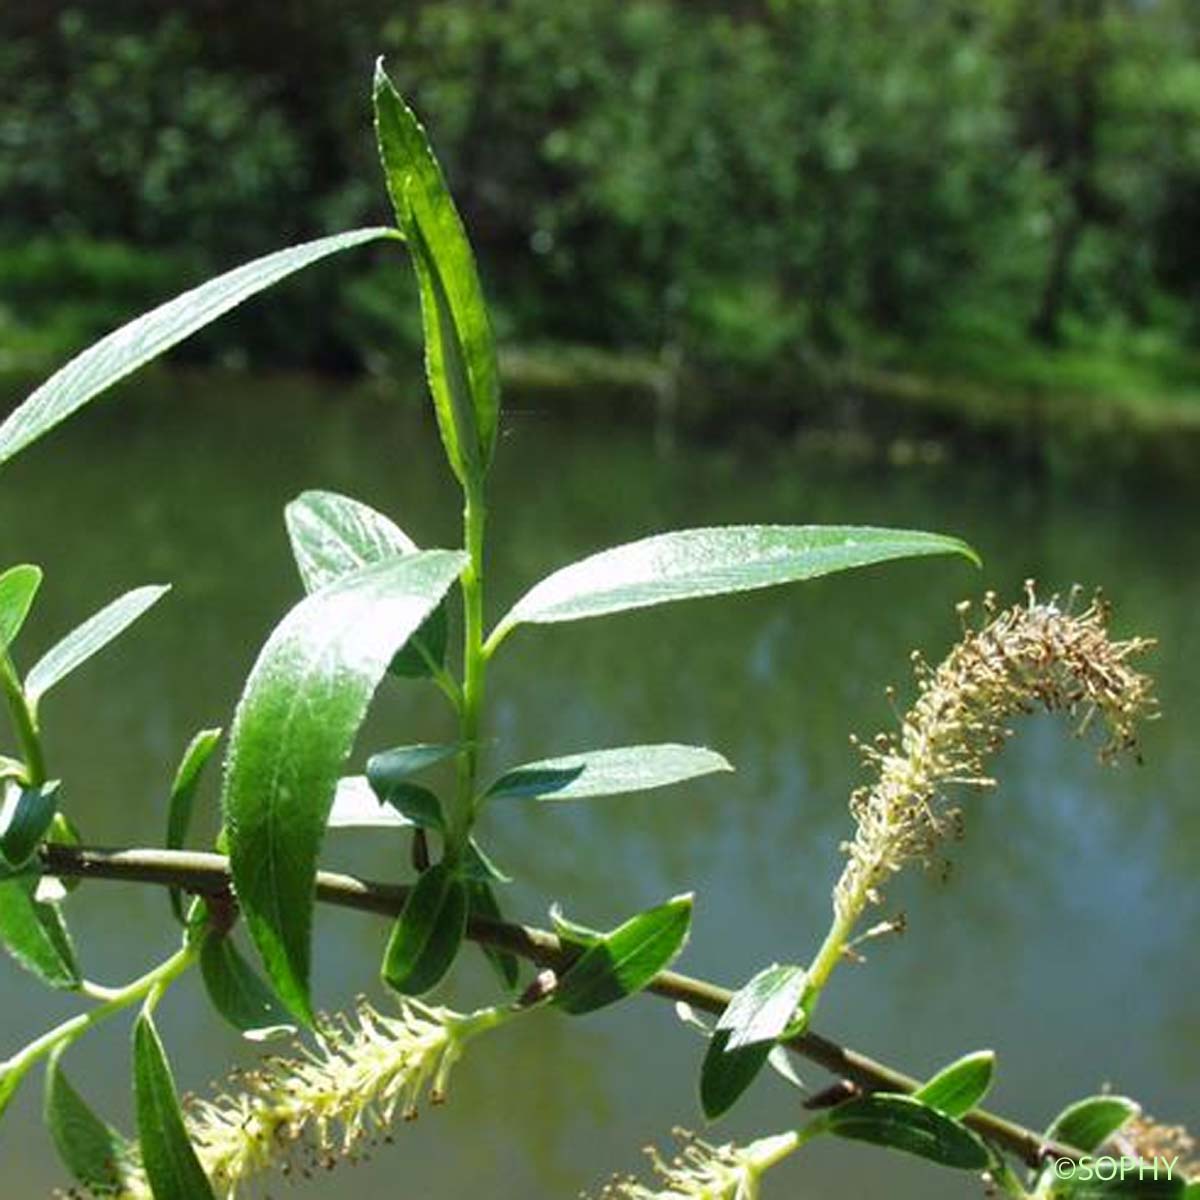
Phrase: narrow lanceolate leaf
x=904 y=1123
x=961 y=1086
x=726 y=1074
x=296 y=722
x=762 y=1009
x=389 y=767
x=1126 y=1183
x=623 y=961
x=125 y=350
x=10 y=1080
x=428 y=933
x=1088 y=1124
x=33 y=932
x=332 y=535
x=459 y=343
x=607 y=772
x=18 y=587
x=95 y=1153
x=25 y=818
x=238 y=994
x=170 y=1163
x=89 y=639
x=713 y=562
x=183 y=798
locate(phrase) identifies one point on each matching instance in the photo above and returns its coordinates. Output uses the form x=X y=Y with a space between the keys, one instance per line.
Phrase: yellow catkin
x=1035 y=655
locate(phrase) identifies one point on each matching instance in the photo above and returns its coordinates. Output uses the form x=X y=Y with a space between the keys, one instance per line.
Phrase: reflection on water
x=1065 y=938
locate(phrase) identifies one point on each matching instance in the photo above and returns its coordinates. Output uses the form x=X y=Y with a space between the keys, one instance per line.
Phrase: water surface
x=1064 y=938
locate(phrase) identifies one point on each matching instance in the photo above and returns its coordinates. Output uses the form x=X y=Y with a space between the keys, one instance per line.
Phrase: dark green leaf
x=725 y=1074
x=763 y=1008
x=904 y=1123
x=478 y=865
x=626 y=959
x=183 y=797
x=607 y=772
x=713 y=562
x=390 y=767
x=299 y=714
x=459 y=344
x=123 y=351
x=95 y=1153
x=1126 y=1181
x=427 y=934
x=332 y=535
x=958 y=1088
x=171 y=1165
x=18 y=587
x=35 y=935
x=1088 y=1124
x=89 y=639
x=483 y=903
x=26 y=816
x=238 y=994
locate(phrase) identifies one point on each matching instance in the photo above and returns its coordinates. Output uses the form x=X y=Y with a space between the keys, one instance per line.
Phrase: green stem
x=24 y=722
x=829 y=955
x=156 y=980
x=474 y=670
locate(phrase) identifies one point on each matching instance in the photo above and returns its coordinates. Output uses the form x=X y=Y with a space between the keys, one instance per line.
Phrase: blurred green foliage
x=759 y=188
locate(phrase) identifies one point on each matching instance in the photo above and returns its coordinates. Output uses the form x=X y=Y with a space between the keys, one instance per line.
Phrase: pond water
x=1065 y=937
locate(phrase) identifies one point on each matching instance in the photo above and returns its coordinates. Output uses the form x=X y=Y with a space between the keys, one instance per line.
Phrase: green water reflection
x=1065 y=938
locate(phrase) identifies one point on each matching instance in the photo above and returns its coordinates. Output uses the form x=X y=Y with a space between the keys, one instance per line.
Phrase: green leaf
x=35 y=935
x=626 y=959
x=763 y=1008
x=391 y=767
x=483 y=903
x=478 y=865
x=355 y=806
x=89 y=639
x=10 y=1079
x=95 y=1153
x=428 y=932
x=1119 y=1176
x=183 y=798
x=1088 y=1124
x=961 y=1086
x=905 y=1123
x=713 y=562
x=725 y=1074
x=133 y=345
x=570 y=932
x=607 y=772
x=18 y=587
x=332 y=535
x=296 y=722
x=171 y=1165
x=459 y=344
x=26 y=816
x=238 y=994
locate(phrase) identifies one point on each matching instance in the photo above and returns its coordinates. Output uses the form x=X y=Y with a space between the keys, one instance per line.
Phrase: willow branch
x=208 y=874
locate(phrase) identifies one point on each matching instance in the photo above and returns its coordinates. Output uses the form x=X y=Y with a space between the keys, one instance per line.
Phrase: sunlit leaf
x=332 y=535
x=18 y=587
x=626 y=959
x=958 y=1088
x=607 y=772
x=89 y=639
x=1087 y=1124
x=296 y=722
x=125 y=350
x=168 y=1158
x=459 y=344
x=25 y=818
x=713 y=562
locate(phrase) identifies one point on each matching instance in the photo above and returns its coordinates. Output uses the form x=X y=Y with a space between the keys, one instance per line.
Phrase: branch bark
x=208 y=874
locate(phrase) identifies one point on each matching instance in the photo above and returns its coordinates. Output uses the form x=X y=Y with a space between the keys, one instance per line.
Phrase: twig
x=208 y=874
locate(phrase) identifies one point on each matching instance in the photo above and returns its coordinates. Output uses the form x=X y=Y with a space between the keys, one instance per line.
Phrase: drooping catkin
x=1033 y=655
